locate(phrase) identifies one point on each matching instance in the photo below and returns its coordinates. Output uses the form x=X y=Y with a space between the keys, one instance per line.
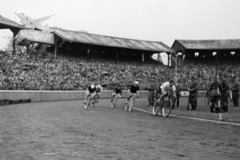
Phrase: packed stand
x=19 y=72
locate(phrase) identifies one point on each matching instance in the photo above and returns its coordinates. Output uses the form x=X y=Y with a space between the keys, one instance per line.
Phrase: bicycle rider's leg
x=97 y=96
x=116 y=98
x=113 y=96
x=87 y=94
x=162 y=96
x=133 y=99
x=93 y=96
x=130 y=95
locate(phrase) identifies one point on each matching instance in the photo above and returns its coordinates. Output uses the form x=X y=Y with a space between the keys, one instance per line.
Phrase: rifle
x=188 y=101
x=230 y=96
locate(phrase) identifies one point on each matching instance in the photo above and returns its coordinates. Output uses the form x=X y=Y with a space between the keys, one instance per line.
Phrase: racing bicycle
x=130 y=104
x=164 y=107
x=115 y=99
x=90 y=100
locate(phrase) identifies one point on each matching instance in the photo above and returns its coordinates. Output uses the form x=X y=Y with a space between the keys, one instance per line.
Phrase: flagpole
x=176 y=66
x=219 y=104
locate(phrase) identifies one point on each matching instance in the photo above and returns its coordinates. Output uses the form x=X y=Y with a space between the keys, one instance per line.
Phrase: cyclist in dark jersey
x=117 y=93
x=91 y=91
x=98 y=92
x=133 y=90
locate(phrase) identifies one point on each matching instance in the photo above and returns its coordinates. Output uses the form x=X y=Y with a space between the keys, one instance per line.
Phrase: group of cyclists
x=93 y=93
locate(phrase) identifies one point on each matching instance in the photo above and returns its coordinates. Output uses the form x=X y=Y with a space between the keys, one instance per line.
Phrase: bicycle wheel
x=156 y=108
x=114 y=101
x=93 y=101
x=130 y=107
x=167 y=108
x=88 y=103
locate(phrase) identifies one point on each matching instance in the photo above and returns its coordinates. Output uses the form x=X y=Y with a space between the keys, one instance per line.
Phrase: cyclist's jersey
x=134 y=89
x=98 y=88
x=118 y=90
x=91 y=90
x=165 y=87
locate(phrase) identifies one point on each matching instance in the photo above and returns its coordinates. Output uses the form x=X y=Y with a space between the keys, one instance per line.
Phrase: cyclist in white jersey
x=166 y=88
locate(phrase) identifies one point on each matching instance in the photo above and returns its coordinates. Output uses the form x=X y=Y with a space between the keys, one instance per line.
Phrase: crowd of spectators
x=20 y=72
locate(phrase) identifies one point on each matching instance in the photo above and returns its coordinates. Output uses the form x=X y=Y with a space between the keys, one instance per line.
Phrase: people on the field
x=224 y=91
x=215 y=95
x=178 y=94
x=193 y=93
x=207 y=88
x=90 y=92
x=166 y=88
x=98 y=92
x=151 y=95
x=235 y=92
x=133 y=91
x=117 y=93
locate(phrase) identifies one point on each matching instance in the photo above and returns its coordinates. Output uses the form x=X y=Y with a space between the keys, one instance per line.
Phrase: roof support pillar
x=55 y=51
x=168 y=55
x=14 y=46
x=143 y=57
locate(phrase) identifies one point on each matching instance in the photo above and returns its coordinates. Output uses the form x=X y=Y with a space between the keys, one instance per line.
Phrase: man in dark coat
x=193 y=93
x=151 y=95
x=178 y=94
x=215 y=95
x=224 y=91
x=235 y=92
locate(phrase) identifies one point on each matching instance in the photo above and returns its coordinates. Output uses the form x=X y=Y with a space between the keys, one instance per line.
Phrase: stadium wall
x=43 y=96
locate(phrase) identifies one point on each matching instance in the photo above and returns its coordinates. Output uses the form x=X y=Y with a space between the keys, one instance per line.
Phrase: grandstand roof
x=227 y=44
x=6 y=23
x=100 y=40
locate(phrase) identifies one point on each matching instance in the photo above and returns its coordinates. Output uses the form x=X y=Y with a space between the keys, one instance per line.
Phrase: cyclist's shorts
x=132 y=94
x=93 y=94
x=164 y=92
x=117 y=95
x=87 y=92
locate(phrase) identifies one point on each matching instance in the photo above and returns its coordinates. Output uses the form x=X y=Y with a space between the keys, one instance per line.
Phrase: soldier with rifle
x=193 y=94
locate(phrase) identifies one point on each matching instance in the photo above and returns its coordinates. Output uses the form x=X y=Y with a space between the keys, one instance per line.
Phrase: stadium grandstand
x=201 y=58
x=83 y=58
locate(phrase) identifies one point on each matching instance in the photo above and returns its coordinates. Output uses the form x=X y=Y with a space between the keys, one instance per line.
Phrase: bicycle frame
x=131 y=102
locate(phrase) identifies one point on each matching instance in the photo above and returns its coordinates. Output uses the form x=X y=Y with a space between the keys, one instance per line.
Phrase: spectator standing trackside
x=215 y=94
x=235 y=92
x=151 y=94
x=178 y=94
x=193 y=93
x=224 y=98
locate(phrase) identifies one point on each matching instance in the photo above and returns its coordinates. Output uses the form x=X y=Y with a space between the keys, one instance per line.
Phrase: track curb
x=199 y=119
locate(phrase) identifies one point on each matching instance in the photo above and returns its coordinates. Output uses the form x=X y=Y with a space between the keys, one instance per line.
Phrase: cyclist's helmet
x=136 y=82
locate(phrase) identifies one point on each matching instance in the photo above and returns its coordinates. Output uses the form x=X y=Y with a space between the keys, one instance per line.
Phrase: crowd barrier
x=15 y=96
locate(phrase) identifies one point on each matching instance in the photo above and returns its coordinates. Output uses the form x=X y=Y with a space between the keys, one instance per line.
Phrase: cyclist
x=166 y=88
x=98 y=92
x=117 y=93
x=91 y=91
x=133 y=91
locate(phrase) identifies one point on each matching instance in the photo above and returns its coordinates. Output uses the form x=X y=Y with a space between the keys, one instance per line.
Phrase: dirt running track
x=65 y=131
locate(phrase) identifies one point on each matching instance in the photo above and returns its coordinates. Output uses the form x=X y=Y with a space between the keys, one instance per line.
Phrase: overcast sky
x=154 y=20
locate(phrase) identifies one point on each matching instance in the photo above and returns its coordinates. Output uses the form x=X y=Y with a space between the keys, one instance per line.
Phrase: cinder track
x=64 y=130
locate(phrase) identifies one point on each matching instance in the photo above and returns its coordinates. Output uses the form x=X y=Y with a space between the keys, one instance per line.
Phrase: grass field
x=64 y=130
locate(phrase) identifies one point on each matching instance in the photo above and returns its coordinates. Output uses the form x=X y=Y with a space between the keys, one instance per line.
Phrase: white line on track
x=200 y=119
